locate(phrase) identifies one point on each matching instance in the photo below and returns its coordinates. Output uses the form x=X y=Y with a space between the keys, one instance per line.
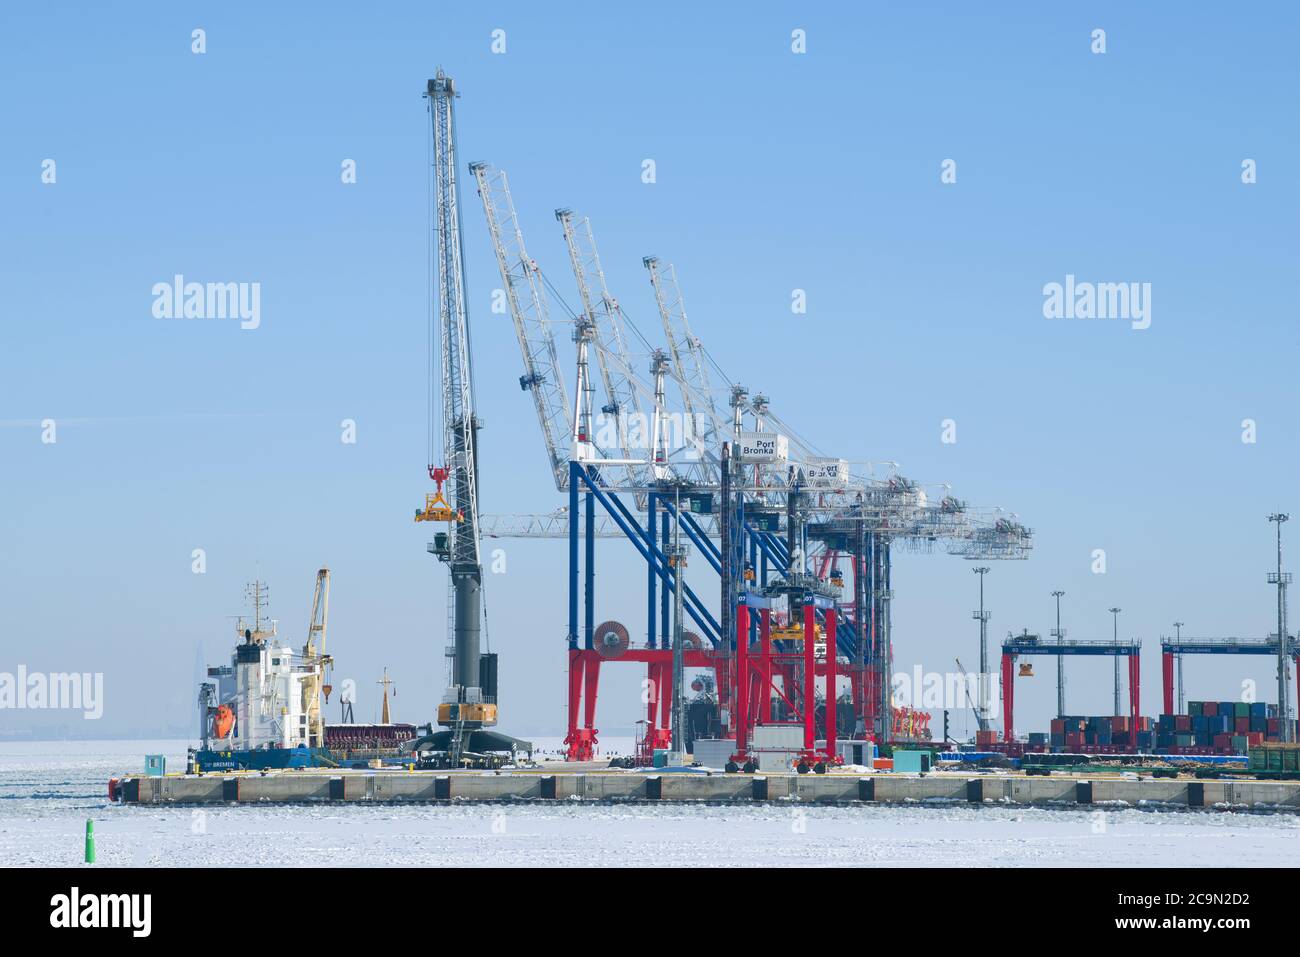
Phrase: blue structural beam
x=573 y=558
x=711 y=551
x=696 y=535
x=772 y=549
x=1021 y=646
x=652 y=502
x=655 y=555
x=1220 y=646
x=589 y=574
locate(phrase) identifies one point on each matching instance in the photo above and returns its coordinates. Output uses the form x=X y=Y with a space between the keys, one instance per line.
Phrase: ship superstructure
x=266 y=702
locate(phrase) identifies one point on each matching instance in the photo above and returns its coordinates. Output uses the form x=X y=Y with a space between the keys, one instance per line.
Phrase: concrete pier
x=395 y=786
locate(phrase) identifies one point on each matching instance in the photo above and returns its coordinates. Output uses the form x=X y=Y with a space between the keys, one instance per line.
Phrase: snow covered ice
x=48 y=789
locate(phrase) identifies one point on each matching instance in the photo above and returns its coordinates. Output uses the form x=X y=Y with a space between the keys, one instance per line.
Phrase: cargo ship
x=263 y=710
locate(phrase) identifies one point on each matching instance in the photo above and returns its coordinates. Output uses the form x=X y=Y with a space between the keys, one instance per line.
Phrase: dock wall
x=297 y=787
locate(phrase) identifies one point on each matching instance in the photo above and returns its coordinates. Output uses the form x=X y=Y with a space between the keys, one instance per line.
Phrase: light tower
x=1282 y=579
x=1178 y=636
x=982 y=617
x=1115 y=613
x=1060 y=658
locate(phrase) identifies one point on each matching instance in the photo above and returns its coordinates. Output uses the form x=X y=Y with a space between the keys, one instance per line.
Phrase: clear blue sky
x=776 y=171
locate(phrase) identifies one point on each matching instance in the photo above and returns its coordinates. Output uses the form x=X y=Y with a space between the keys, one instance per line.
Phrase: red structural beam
x=809 y=676
x=742 y=677
x=1008 y=697
x=1134 y=688
x=584 y=688
x=832 y=709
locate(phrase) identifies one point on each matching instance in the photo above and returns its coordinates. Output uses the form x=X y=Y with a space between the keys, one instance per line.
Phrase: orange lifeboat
x=223 y=722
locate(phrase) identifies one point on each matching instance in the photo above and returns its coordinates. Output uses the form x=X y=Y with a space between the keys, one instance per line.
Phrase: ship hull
x=262 y=759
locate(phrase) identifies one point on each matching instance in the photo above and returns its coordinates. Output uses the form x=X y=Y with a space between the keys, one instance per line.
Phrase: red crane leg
x=720 y=677
x=742 y=678
x=664 y=676
x=1008 y=698
x=832 y=698
x=591 y=683
x=809 y=677
x=652 y=697
x=1167 y=680
x=1134 y=688
x=575 y=701
x=666 y=702
x=765 y=650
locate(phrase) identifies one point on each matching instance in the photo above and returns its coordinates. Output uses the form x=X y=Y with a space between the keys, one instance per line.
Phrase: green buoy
x=90 y=841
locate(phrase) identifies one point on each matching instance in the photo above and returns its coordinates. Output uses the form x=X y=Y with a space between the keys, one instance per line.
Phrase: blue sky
x=775 y=171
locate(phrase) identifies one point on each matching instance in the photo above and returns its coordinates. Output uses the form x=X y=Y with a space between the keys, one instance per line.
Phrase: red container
x=1222 y=742
x=1210 y=709
x=1058 y=726
x=1119 y=724
x=1183 y=722
x=1242 y=725
x=1274 y=726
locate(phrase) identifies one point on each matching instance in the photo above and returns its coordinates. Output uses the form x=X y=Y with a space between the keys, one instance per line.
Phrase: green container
x=1275 y=758
x=1241 y=709
x=1195 y=708
x=1240 y=743
x=911 y=762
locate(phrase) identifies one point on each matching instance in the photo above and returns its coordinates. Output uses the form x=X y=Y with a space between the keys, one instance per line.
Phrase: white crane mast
x=601 y=310
x=526 y=300
x=693 y=376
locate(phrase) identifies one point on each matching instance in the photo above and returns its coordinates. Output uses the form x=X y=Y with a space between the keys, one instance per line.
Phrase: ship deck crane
x=314 y=657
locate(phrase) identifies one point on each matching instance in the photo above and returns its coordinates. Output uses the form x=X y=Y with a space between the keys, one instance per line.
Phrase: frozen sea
x=48 y=790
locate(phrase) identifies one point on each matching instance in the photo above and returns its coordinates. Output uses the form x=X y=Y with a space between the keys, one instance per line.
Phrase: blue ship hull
x=263 y=759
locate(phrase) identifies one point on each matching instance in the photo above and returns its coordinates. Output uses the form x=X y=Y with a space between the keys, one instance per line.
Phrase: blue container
x=1259 y=709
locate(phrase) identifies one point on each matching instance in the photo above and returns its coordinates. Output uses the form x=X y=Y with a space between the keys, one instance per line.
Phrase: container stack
x=1098 y=734
x=1218 y=727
